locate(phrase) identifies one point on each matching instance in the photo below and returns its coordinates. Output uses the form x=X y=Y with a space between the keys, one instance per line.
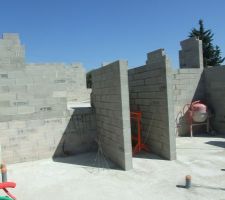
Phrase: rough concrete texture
x=207 y=85
x=30 y=90
x=188 y=82
x=43 y=138
x=191 y=55
x=12 y=53
x=110 y=99
x=33 y=105
x=61 y=80
x=188 y=86
x=35 y=122
x=79 y=135
x=202 y=158
x=40 y=91
x=150 y=88
x=215 y=96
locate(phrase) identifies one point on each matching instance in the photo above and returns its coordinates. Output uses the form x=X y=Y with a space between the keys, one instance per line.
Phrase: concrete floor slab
x=74 y=178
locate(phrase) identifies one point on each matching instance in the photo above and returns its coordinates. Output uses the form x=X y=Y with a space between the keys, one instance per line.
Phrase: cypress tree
x=211 y=54
x=89 y=79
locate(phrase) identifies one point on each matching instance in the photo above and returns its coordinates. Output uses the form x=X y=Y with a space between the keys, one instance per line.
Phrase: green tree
x=89 y=79
x=211 y=54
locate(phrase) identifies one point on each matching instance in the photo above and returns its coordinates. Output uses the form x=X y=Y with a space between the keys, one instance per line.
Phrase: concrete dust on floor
x=74 y=177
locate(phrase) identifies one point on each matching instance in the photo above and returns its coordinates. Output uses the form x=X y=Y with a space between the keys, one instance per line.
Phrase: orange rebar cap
x=188 y=177
x=3 y=168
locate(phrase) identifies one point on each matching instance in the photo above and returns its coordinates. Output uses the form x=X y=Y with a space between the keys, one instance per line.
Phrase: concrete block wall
x=188 y=82
x=61 y=80
x=215 y=96
x=192 y=83
x=35 y=122
x=40 y=93
x=188 y=86
x=110 y=99
x=37 y=95
x=12 y=53
x=191 y=54
x=80 y=133
x=27 y=140
x=29 y=90
x=150 y=88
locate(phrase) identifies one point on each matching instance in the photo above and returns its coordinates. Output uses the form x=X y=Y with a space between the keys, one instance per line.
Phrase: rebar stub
x=188 y=181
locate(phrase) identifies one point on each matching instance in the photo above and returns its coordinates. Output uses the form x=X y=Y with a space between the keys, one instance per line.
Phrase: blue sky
x=96 y=31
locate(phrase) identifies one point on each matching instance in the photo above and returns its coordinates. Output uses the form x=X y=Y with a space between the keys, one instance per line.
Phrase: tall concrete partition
x=150 y=88
x=110 y=100
x=215 y=96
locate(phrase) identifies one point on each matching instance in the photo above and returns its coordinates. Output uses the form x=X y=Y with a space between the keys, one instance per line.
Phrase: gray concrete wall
x=61 y=80
x=215 y=96
x=12 y=52
x=33 y=105
x=150 y=88
x=26 y=140
x=40 y=91
x=188 y=86
x=191 y=55
x=110 y=100
x=30 y=85
x=188 y=83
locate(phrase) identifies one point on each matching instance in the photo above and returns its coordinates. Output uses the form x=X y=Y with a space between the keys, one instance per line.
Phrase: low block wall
x=26 y=140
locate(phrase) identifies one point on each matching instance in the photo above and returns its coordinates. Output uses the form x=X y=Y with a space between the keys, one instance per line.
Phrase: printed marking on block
x=46 y=109
x=4 y=75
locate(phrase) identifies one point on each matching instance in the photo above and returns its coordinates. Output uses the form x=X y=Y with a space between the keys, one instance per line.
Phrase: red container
x=198 y=111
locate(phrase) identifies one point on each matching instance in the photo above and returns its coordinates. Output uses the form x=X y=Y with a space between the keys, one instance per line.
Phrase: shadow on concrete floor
x=146 y=155
x=91 y=159
x=217 y=143
x=201 y=186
